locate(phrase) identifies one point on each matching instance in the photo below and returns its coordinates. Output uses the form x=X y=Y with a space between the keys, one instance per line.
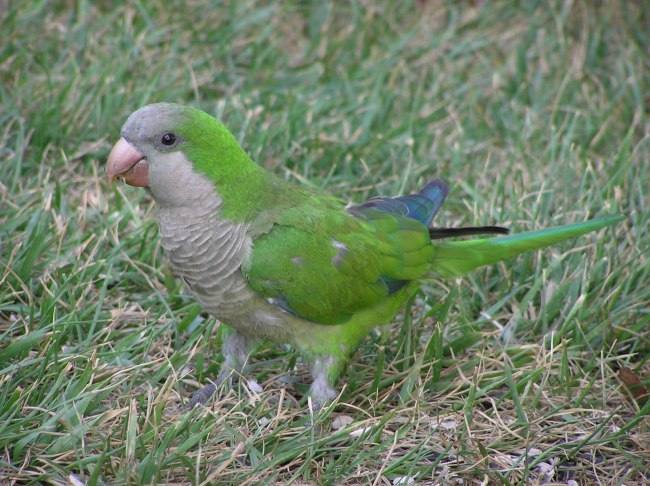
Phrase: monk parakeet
x=274 y=261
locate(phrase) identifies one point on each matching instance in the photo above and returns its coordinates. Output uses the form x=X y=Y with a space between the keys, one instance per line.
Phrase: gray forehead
x=150 y=120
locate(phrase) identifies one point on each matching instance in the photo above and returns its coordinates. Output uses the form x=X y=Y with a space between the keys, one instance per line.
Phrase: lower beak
x=125 y=162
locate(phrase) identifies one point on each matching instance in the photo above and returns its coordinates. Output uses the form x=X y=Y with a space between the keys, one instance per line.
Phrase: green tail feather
x=457 y=258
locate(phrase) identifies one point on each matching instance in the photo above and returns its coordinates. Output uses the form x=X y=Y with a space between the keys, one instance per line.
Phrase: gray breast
x=207 y=253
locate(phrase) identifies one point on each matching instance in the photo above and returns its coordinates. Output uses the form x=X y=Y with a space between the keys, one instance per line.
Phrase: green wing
x=323 y=264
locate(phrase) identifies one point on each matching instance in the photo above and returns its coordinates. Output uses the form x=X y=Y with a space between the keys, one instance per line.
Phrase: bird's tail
x=456 y=258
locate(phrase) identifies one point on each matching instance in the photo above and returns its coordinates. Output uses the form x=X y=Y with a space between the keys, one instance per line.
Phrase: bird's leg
x=324 y=371
x=236 y=349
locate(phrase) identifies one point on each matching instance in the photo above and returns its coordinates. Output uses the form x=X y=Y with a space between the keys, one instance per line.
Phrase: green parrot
x=274 y=261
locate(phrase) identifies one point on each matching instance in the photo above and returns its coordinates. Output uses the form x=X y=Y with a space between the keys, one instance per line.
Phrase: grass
x=535 y=116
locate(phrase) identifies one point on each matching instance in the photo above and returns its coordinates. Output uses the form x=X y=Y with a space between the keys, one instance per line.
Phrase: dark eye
x=168 y=139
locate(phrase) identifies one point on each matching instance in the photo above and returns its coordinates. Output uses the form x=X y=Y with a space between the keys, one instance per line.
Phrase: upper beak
x=125 y=162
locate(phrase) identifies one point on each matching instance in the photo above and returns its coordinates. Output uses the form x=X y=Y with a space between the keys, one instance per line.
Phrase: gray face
x=149 y=128
x=172 y=179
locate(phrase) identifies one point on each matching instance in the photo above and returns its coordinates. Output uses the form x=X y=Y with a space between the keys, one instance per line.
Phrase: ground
x=521 y=373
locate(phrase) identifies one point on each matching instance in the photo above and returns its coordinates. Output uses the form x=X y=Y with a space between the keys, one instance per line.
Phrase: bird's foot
x=322 y=391
x=202 y=396
x=322 y=394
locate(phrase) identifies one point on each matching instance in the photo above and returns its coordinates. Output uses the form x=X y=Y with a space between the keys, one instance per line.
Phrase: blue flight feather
x=421 y=206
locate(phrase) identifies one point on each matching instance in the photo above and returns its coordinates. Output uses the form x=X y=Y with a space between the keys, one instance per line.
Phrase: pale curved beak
x=125 y=162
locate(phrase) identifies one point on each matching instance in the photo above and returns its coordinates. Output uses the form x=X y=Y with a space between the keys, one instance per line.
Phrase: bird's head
x=175 y=151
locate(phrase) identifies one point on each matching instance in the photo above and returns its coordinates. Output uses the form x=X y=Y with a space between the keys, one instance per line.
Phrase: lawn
x=523 y=372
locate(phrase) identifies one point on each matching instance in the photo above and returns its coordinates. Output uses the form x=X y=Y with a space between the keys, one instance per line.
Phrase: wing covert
x=324 y=265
